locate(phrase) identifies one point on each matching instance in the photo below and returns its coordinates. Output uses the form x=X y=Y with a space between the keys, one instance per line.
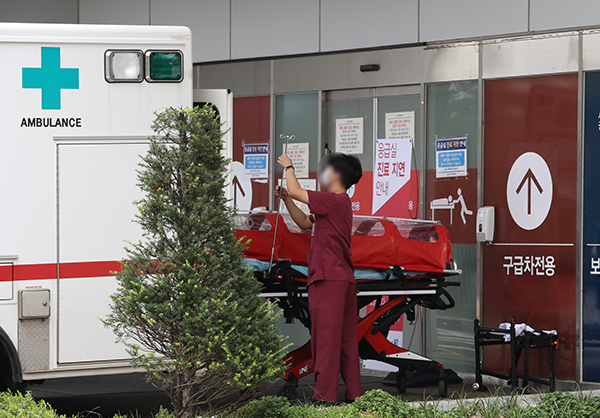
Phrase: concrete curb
x=523 y=400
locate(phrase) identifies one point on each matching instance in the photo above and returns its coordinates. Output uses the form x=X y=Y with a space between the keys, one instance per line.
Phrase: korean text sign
x=451 y=157
x=349 y=135
x=298 y=153
x=256 y=160
x=400 y=125
x=392 y=169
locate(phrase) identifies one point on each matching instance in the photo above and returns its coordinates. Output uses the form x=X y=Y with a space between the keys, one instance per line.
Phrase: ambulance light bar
x=164 y=66
x=124 y=66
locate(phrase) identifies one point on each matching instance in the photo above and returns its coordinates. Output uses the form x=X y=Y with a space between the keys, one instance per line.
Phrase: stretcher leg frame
x=373 y=345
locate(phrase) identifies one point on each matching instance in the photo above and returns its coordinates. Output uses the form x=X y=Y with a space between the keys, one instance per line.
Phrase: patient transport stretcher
x=407 y=260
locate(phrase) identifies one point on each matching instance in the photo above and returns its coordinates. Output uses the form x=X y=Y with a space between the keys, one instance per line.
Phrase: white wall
x=117 y=12
x=208 y=20
x=245 y=29
x=39 y=11
x=556 y=14
x=362 y=24
x=274 y=27
x=447 y=19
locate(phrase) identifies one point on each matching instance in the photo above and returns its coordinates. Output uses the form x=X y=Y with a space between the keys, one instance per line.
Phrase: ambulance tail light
x=124 y=66
x=164 y=66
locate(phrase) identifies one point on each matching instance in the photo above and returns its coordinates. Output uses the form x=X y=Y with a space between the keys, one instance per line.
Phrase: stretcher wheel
x=442 y=383
x=401 y=382
x=289 y=390
x=480 y=387
x=443 y=388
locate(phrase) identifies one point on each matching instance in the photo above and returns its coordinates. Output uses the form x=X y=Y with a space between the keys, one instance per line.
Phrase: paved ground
x=103 y=396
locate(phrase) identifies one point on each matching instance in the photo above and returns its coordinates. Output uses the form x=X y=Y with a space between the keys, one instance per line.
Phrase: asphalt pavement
x=104 y=396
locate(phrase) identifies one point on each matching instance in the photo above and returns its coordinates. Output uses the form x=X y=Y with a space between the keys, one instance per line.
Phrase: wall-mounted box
x=34 y=304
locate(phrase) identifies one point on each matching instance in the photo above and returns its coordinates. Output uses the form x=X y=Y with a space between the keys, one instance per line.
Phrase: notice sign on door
x=349 y=135
x=256 y=160
x=298 y=153
x=400 y=125
x=306 y=184
x=392 y=169
x=451 y=157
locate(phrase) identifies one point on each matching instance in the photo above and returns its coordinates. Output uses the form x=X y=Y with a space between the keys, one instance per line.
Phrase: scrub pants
x=334 y=338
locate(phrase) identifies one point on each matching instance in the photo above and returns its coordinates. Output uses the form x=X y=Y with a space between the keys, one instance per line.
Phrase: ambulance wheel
x=401 y=382
x=6 y=383
x=288 y=390
x=6 y=378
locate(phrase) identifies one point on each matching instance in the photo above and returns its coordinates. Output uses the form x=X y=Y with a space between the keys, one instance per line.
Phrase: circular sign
x=241 y=187
x=529 y=191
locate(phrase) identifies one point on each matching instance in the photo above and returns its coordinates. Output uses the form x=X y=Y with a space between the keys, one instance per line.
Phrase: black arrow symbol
x=529 y=177
x=237 y=185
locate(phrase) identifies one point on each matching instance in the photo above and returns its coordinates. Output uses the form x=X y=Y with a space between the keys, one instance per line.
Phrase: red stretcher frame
x=419 y=248
x=287 y=288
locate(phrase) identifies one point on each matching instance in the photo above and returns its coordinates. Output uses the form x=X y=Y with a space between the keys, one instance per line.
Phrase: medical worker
x=331 y=283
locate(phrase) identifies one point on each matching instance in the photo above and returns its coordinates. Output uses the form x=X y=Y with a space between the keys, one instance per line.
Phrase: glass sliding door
x=364 y=116
x=451 y=198
x=297 y=114
x=354 y=122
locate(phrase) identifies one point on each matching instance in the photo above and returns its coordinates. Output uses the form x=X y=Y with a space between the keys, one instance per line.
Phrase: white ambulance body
x=76 y=106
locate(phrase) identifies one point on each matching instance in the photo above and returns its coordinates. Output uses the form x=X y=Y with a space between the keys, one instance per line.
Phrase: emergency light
x=124 y=66
x=164 y=66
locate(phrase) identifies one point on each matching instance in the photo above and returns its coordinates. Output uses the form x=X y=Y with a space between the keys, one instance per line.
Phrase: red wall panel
x=535 y=114
x=251 y=125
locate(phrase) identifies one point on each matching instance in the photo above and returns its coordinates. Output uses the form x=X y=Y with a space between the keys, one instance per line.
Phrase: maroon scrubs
x=332 y=297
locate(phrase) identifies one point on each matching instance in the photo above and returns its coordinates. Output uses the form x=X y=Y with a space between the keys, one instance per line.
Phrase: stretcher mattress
x=359 y=274
x=377 y=244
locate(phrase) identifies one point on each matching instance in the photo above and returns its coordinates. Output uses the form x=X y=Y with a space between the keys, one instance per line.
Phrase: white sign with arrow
x=529 y=191
x=242 y=186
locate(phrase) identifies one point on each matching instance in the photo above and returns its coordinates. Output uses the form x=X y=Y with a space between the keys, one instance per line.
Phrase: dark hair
x=347 y=165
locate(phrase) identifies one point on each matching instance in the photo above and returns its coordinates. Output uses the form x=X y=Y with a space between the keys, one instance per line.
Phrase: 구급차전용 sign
x=392 y=169
x=450 y=157
x=349 y=135
x=256 y=160
x=400 y=125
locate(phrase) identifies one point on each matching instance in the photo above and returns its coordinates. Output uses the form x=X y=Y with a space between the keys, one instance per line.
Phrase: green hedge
x=380 y=404
x=24 y=406
x=373 y=404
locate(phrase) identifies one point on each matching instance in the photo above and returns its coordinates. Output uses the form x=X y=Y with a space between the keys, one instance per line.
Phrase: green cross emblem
x=50 y=78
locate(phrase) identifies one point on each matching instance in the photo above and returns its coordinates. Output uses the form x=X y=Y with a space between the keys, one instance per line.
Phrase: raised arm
x=299 y=217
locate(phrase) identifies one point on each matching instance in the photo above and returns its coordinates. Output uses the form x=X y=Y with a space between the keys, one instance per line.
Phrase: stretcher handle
x=451 y=303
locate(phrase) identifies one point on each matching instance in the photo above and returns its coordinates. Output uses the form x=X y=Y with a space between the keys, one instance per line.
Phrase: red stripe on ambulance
x=49 y=271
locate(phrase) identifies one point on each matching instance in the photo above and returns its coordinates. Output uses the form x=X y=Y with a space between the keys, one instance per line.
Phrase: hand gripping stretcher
x=404 y=260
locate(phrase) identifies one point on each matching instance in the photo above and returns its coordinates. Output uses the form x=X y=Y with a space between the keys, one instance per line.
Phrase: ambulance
x=76 y=107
